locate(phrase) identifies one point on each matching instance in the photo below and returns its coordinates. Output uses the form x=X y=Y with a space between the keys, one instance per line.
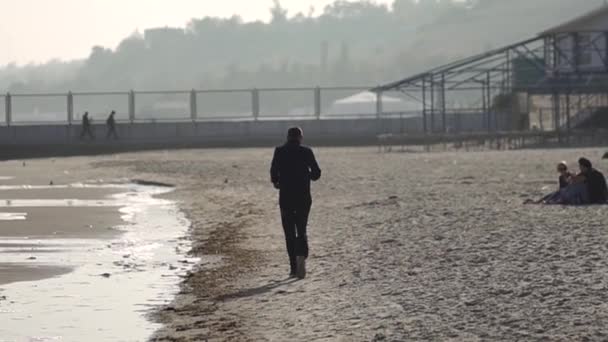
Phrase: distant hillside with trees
x=350 y=43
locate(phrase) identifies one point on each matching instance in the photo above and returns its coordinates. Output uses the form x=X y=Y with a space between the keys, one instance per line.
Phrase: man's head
x=112 y=113
x=295 y=134
x=562 y=167
x=585 y=165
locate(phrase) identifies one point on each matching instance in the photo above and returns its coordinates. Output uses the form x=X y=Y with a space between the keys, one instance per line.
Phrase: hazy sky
x=39 y=30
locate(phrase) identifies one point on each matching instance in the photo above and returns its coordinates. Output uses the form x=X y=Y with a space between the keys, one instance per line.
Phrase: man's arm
x=315 y=171
x=274 y=169
x=605 y=186
x=580 y=178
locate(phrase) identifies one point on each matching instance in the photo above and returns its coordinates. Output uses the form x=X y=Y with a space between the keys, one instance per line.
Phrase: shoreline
x=196 y=305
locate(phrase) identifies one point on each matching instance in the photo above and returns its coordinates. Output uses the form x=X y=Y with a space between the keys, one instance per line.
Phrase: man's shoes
x=301 y=267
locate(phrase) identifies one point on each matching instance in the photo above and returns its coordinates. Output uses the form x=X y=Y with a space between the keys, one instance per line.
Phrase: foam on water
x=12 y=216
x=114 y=282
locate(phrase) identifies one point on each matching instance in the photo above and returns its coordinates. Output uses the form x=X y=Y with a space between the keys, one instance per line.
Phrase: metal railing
x=196 y=105
x=570 y=112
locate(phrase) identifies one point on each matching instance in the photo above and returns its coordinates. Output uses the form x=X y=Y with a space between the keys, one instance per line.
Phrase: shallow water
x=114 y=282
x=12 y=216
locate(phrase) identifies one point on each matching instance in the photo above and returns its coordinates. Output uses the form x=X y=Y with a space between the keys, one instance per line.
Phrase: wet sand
x=404 y=246
x=11 y=273
x=62 y=222
x=50 y=222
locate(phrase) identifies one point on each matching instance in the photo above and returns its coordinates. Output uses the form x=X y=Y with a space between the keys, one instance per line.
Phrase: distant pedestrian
x=111 y=126
x=86 y=127
x=293 y=167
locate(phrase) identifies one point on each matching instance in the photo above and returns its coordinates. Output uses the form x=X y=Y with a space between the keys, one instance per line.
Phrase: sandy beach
x=404 y=246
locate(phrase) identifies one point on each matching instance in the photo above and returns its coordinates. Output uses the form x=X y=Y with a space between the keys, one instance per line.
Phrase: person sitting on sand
x=591 y=184
x=564 y=181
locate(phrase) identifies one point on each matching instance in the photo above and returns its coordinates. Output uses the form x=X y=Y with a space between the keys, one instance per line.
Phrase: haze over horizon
x=68 y=29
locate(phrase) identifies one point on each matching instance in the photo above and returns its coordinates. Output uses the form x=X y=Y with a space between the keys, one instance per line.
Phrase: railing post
x=255 y=103
x=193 y=109
x=443 y=106
x=424 y=123
x=318 y=103
x=379 y=109
x=70 y=108
x=132 y=106
x=8 y=109
x=489 y=103
x=432 y=128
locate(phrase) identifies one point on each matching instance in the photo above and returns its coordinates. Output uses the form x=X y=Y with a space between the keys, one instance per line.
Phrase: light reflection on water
x=12 y=216
x=114 y=283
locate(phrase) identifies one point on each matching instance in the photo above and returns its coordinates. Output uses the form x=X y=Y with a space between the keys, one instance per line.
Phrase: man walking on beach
x=111 y=126
x=293 y=167
x=86 y=127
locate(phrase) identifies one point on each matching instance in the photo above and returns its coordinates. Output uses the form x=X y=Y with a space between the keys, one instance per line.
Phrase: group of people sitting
x=586 y=187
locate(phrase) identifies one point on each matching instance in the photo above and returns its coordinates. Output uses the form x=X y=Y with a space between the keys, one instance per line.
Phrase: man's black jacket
x=293 y=167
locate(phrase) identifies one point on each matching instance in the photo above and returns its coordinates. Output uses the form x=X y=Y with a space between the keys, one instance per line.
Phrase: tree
x=278 y=13
x=404 y=8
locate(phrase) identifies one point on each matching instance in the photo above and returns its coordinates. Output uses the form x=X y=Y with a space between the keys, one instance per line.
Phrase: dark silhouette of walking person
x=293 y=167
x=86 y=127
x=111 y=126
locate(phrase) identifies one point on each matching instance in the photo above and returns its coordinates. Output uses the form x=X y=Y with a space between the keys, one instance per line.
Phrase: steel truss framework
x=504 y=88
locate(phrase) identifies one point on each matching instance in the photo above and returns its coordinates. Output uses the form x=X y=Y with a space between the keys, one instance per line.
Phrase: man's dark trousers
x=294 y=217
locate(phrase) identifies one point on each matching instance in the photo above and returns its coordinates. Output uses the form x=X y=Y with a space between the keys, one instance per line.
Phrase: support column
x=432 y=104
x=317 y=97
x=606 y=50
x=489 y=97
x=576 y=55
x=556 y=115
x=379 y=109
x=443 y=114
x=424 y=128
x=509 y=70
x=255 y=104
x=556 y=59
x=193 y=109
x=8 y=107
x=70 y=108
x=484 y=115
x=132 y=106
x=568 y=127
